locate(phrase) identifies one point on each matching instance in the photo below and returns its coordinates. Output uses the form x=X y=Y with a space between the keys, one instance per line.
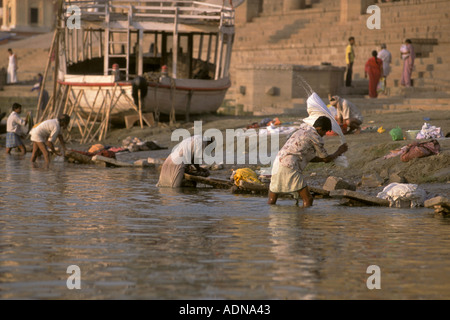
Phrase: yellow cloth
x=36 y=125
x=246 y=174
x=348 y=50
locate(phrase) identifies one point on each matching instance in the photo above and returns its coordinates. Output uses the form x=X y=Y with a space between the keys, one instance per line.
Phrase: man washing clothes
x=300 y=149
x=347 y=114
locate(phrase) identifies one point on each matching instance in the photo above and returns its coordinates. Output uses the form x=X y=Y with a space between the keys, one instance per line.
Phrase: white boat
x=193 y=39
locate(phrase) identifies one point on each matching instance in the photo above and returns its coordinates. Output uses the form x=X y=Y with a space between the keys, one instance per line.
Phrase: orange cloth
x=96 y=148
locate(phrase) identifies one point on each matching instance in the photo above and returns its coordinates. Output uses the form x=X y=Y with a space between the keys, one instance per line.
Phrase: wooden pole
x=95 y=119
x=90 y=45
x=67 y=99
x=188 y=105
x=108 y=113
x=175 y=45
x=76 y=45
x=219 y=54
x=173 y=87
x=200 y=47
x=55 y=75
x=208 y=55
x=73 y=108
x=190 y=54
x=216 y=183
x=164 y=48
x=140 y=109
x=89 y=117
x=228 y=55
x=49 y=60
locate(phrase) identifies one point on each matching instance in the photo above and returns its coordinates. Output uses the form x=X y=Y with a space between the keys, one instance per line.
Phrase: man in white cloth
x=11 y=76
x=294 y=156
x=347 y=114
x=45 y=134
x=14 y=130
x=186 y=154
x=386 y=57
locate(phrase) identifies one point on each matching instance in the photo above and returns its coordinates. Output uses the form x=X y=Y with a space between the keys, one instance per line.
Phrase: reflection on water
x=133 y=240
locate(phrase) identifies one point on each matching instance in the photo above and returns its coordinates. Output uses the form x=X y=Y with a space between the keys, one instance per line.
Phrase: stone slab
x=369 y=200
x=437 y=201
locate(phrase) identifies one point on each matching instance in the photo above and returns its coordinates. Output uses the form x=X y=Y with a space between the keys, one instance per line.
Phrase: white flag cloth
x=317 y=108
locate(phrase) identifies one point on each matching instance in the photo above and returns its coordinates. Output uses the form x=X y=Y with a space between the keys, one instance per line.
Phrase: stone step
x=425 y=101
x=28 y=103
x=18 y=91
x=443 y=107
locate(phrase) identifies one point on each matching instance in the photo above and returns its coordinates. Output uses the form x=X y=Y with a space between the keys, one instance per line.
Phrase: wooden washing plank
x=365 y=199
x=216 y=183
x=81 y=158
x=113 y=162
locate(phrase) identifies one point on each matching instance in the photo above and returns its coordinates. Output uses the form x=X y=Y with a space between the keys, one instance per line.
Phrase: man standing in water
x=45 y=134
x=292 y=159
x=14 y=130
x=188 y=153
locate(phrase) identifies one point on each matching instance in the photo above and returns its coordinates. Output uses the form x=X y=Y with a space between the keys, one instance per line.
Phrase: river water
x=132 y=240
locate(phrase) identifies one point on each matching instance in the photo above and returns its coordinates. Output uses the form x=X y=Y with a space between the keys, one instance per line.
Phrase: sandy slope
x=365 y=155
x=32 y=54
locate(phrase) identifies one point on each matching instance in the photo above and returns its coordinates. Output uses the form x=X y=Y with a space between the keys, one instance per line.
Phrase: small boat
x=103 y=45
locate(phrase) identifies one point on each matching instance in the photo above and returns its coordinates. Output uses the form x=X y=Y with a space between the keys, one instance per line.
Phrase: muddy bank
x=365 y=155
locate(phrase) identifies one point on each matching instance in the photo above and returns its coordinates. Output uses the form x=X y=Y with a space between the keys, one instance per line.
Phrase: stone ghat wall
x=268 y=32
x=280 y=86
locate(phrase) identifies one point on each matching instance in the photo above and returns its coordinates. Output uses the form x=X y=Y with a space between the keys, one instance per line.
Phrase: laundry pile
x=134 y=144
x=415 y=150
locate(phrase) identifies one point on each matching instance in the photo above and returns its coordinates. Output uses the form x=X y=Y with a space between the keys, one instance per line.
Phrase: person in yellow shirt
x=349 y=58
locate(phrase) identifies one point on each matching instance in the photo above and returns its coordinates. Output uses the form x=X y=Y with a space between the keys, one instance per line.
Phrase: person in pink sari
x=408 y=57
x=374 y=68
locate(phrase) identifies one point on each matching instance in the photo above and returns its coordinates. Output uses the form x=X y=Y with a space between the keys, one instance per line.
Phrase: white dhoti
x=11 y=76
x=172 y=174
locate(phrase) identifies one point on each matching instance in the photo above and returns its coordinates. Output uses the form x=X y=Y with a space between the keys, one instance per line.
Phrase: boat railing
x=168 y=10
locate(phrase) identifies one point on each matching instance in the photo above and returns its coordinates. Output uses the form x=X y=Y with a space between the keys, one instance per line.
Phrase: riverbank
x=366 y=150
x=365 y=156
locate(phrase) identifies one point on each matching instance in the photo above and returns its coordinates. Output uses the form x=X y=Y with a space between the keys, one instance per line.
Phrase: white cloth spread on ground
x=317 y=108
x=395 y=192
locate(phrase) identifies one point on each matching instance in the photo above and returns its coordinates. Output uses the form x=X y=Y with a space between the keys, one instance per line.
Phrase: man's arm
x=343 y=148
x=63 y=144
x=52 y=148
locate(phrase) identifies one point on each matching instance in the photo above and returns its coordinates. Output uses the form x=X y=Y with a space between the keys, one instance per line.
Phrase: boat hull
x=193 y=96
